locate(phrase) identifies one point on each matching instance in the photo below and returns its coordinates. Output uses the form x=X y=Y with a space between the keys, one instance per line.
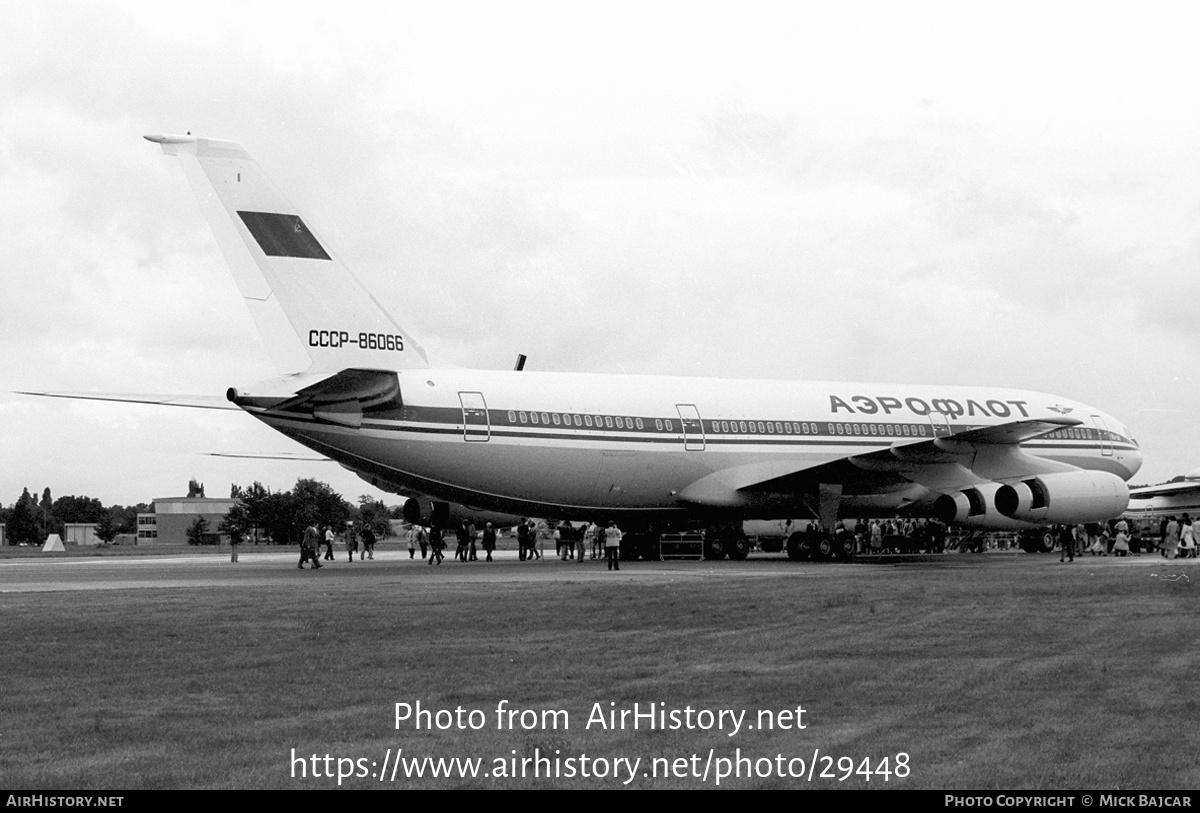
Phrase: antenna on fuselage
x=520 y=363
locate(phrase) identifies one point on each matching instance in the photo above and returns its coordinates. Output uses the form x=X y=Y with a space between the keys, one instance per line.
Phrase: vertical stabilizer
x=311 y=312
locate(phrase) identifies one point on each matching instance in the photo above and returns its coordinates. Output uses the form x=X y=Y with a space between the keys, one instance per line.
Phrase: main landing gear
x=820 y=546
x=719 y=543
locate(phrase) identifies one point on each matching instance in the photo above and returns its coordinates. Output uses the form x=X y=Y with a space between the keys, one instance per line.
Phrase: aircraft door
x=475 y=417
x=693 y=427
x=940 y=422
x=1106 y=447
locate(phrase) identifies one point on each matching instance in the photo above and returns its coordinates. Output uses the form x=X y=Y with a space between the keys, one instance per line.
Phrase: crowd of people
x=354 y=540
x=576 y=543
x=1177 y=538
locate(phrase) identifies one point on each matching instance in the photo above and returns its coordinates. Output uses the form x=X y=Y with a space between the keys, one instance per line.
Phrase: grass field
x=1006 y=672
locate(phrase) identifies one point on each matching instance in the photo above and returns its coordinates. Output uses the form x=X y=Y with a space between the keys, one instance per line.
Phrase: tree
x=47 y=523
x=316 y=502
x=373 y=514
x=270 y=513
x=237 y=522
x=106 y=528
x=79 y=509
x=197 y=532
x=22 y=523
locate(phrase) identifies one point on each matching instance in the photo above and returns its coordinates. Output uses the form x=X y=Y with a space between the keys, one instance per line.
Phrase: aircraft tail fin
x=312 y=313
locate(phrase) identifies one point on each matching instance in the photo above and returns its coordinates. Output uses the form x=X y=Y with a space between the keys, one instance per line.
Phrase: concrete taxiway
x=272 y=568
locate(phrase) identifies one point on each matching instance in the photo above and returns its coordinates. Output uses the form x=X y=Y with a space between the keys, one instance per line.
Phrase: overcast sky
x=993 y=194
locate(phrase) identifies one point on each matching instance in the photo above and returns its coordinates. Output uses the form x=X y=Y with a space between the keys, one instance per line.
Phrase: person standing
x=1170 y=538
x=1066 y=538
x=308 y=547
x=460 y=535
x=593 y=536
x=436 y=543
x=535 y=541
x=328 y=543
x=472 y=534
x=1186 y=538
x=522 y=540
x=351 y=543
x=612 y=545
x=368 y=544
x=489 y=540
x=234 y=540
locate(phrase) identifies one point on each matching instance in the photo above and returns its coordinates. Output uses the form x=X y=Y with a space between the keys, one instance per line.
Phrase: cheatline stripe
x=673 y=439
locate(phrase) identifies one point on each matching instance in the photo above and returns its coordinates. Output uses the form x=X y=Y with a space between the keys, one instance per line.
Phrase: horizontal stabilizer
x=339 y=398
x=297 y=457
x=189 y=401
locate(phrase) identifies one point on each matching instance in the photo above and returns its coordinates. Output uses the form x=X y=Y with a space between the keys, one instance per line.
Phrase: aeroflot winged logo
x=1061 y=410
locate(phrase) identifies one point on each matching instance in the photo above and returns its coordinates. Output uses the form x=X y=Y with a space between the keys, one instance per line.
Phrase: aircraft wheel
x=843 y=547
x=822 y=548
x=1047 y=543
x=738 y=547
x=797 y=547
x=714 y=547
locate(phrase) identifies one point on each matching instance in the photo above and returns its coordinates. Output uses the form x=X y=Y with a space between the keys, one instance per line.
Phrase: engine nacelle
x=971 y=507
x=1067 y=497
x=411 y=512
x=975 y=507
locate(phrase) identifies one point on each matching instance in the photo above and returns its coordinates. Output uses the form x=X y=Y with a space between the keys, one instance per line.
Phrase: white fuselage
x=575 y=445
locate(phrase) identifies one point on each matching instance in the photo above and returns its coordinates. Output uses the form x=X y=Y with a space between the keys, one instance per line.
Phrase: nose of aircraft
x=1131 y=459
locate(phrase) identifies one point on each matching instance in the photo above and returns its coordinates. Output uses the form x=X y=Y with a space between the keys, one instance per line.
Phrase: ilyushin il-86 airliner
x=650 y=451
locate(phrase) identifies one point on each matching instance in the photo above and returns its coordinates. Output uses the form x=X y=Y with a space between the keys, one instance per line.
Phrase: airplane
x=1175 y=498
x=651 y=452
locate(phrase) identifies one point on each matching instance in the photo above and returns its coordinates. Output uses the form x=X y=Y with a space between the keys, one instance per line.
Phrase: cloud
x=920 y=194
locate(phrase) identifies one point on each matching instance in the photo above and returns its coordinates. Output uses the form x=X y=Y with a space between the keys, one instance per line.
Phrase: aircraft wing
x=292 y=456
x=1165 y=489
x=983 y=454
x=946 y=463
x=189 y=401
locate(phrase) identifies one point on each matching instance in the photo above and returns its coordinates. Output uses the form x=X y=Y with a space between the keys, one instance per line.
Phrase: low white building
x=80 y=533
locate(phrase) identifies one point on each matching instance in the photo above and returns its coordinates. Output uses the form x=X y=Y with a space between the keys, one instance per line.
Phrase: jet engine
x=1069 y=497
x=974 y=507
